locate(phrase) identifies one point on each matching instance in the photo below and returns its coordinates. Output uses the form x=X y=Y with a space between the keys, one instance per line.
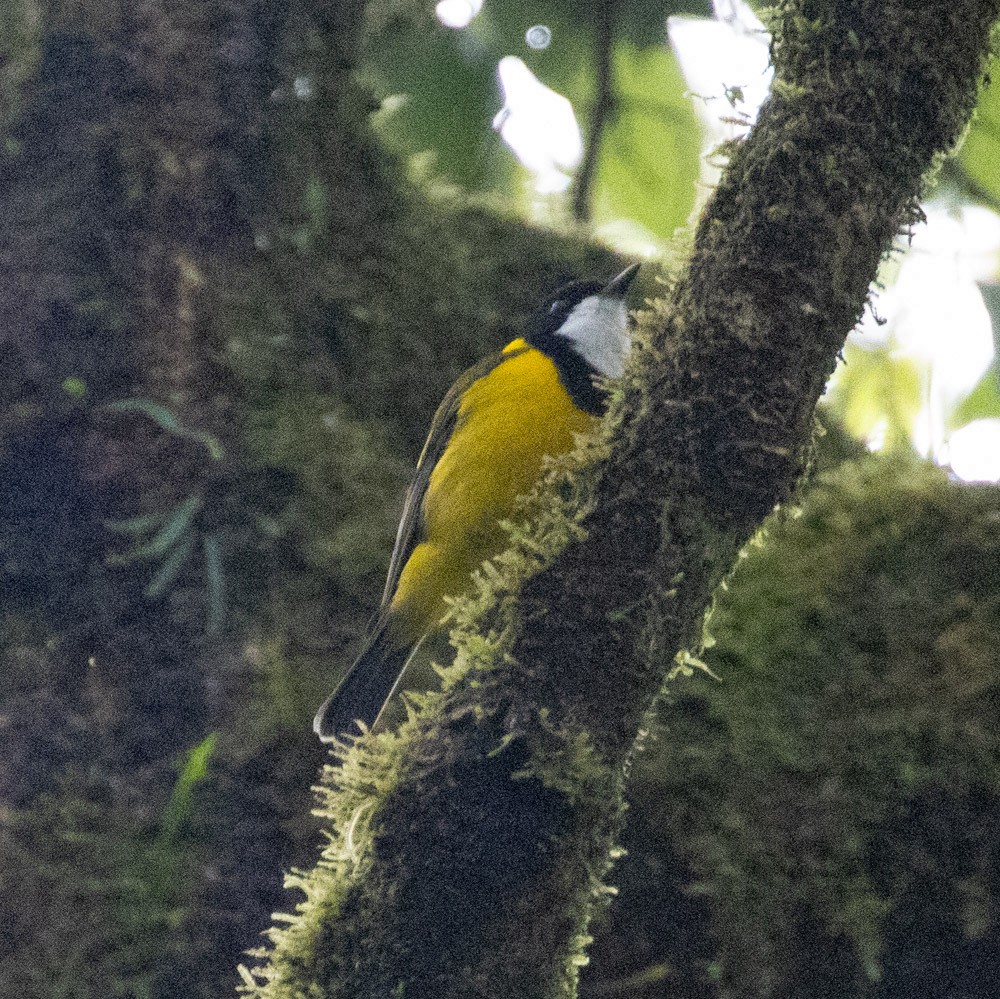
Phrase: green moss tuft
x=858 y=655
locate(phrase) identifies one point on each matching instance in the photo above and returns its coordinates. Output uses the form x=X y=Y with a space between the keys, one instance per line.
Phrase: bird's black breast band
x=576 y=375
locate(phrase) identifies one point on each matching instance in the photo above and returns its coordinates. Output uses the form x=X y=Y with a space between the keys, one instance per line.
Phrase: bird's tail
x=363 y=693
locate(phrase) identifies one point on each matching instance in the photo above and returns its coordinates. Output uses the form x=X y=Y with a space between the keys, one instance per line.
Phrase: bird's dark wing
x=442 y=427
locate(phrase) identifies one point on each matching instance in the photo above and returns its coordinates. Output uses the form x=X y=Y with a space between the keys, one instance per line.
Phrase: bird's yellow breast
x=507 y=423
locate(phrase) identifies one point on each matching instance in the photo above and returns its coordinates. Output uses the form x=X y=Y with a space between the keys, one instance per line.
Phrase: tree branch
x=474 y=844
x=600 y=113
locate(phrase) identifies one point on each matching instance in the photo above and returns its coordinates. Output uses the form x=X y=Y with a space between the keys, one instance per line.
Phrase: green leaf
x=74 y=387
x=316 y=208
x=193 y=771
x=215 y=585
x=445 y=95
x=650 y=156
x=574 y=27
x=642 y=22
x=137 y=525
x=317 y=202
x=982 y=403
x=170 y=569
x=157 y=412
x=566 y=64
x=165 y=418
x=440 y=95
x=874 y=389
x=176 y=524
x=980 y=152
x=991 y=299
x=212 y=444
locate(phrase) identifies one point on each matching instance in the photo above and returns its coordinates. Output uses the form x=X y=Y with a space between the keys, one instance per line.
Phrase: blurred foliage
x=440 y=94
x=876 y=392
x=108 y=892
x=648 y=164
x=820 y=821
x=193 y=772
x=444 y=94
x=20 y=23
x=167 y=420
x=991 y=299
x=979 y=154
x=169 y=538
x=983 y=402
x=879 y=393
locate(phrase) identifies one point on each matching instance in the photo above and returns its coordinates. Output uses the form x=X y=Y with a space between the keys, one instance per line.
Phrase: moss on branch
x=828 y=807
x=472 y=847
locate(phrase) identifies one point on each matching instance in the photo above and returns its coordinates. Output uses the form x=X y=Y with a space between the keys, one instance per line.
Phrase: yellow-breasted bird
x=486 y=447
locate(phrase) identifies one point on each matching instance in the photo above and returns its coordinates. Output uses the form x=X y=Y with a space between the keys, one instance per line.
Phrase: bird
x=486 y=447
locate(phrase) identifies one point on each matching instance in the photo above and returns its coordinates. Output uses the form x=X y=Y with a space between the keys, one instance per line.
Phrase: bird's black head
x=583 y=327
x=561 y=303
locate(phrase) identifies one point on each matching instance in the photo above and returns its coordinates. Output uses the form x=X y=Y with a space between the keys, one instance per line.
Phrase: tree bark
x=471 y=848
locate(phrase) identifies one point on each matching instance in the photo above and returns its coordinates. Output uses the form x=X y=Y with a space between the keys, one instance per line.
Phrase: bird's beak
x=617 y=287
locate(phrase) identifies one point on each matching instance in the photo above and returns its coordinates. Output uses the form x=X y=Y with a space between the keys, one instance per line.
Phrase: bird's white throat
x=598 y=327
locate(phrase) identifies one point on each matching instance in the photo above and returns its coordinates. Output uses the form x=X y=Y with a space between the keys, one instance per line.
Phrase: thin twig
x=626 y=986
x=601 y=112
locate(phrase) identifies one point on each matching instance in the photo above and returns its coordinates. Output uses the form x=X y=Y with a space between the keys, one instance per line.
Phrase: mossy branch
x=473 y=845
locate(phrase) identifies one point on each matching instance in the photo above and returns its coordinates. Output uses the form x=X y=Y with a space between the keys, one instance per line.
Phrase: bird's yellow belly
x=509 y=421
